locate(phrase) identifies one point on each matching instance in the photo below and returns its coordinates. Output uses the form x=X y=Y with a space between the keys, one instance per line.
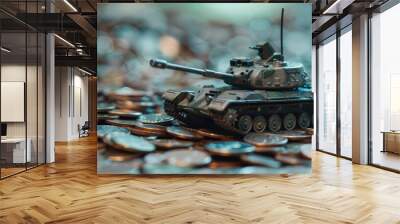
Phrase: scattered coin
x=171 y=143
x=305 y=151
x=154 y=158
x=309 y=131
x=104 y=117
x=127 y=104
x=149 y=168
x=125 y=114
x=129 y=143
x=155 y=119
x=116 y=156
x=122 y=123
x=127 y=92
x=287 y=159
x=213 y=134
x=105 y=107
x=187 y=158
x=294 y=135
x=270 y=149
x=293 y=148
x=229 y=148
x=225 y=164
x=147 y=132
x=265 y=139
x=261 y=160
x=183 y=133
x=102 y=130
x=107 y=139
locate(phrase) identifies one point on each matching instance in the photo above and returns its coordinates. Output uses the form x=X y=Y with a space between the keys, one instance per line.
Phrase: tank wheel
x=230 y=118
x=289 y=121
x=304 y=120
x=245 y=123
x=259 y=123
x=274 y=123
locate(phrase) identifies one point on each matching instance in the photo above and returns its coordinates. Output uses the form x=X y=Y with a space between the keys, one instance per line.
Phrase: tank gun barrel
x=162 y=64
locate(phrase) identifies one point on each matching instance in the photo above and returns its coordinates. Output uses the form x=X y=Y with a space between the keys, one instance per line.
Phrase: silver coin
x=104 y=107
x=104 y=117
x=265 y=139
x=102 y=130
x=229 y=148
x=131 y=143
x=171 y=143
x=107 y=139
x=125 y=113
x=149 y=168
x=293 y=148
x=154 y=158
x=183 y=133
x=155 y=119
x=187 y=158
x=261 y=160
x=294 y=135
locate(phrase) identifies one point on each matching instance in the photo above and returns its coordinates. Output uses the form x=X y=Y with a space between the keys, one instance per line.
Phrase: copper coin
x=265 y=139
x=213 y=134
x=117 y=156
x=127 y=104
x=309 y=131
x=294 y=135
x=148 y=132
x=187 y=158
x=287 y=159
x=122 y=123
x=229 y=148
x=183 y=133
x=171 y=143
x=270 y=149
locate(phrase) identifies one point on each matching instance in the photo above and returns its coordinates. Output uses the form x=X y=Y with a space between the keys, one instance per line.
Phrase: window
x=327 y=96
x=385 y=89
x=346 y=93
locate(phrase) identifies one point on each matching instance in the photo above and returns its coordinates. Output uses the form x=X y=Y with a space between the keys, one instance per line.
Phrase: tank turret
x=245 y=73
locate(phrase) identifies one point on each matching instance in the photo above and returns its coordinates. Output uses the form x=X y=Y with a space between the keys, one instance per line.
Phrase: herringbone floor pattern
x=69 y=191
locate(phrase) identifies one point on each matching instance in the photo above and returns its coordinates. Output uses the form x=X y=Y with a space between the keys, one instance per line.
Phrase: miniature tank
x=263 y=94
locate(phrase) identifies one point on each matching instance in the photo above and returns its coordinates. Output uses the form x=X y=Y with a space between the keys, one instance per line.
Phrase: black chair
x=84 y=130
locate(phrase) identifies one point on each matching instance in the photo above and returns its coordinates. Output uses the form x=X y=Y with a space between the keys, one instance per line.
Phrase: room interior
x=48 y=92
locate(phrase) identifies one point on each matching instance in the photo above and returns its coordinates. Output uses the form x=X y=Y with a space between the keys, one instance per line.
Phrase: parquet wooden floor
x=69 y=191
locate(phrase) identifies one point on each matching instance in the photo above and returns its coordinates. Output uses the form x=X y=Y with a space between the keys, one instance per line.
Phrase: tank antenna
x=282 y=30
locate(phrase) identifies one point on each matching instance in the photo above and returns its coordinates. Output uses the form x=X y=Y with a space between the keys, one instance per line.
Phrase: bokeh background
x=204 y=35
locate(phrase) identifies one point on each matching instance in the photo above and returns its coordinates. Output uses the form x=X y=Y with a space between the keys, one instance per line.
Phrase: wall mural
x=204 y=88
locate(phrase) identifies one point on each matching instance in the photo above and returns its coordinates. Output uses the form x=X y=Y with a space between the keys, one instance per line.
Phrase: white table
x=18 y=149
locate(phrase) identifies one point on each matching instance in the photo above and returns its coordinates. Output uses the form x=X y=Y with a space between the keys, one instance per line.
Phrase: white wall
x=71 y=94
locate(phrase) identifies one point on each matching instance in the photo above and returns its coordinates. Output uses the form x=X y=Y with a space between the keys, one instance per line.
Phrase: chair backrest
x=86 y=125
